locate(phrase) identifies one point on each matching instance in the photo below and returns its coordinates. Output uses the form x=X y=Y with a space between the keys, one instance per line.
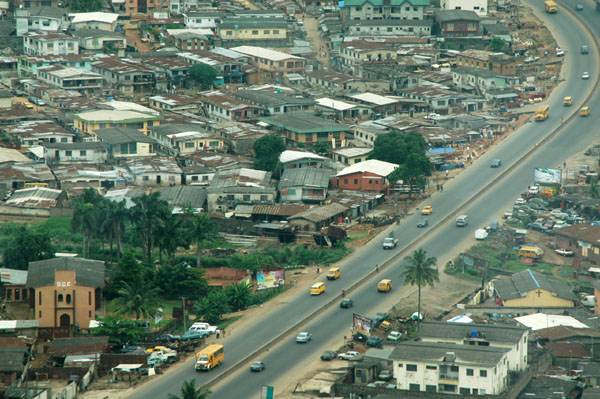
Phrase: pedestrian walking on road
x=442 y=187
x=377 y=268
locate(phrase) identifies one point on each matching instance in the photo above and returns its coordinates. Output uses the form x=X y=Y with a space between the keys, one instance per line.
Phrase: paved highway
x=442 y=239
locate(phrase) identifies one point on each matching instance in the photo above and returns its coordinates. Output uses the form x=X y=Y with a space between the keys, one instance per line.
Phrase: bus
x=210 y=357
x=531 y=252
x=542 y=114
x=551 y=6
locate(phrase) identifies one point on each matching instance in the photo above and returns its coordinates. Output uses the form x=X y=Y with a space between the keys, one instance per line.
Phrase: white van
x=462 y=221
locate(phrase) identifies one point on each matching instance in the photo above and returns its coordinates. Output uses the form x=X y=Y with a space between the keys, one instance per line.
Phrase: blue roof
x=441 y=150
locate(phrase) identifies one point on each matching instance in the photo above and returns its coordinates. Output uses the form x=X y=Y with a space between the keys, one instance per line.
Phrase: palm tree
x=420 y=272
x=238 y=296
x=138 y=298
x=202 y=229
x=189 y=391
x=85 y=219
x=144 y=214
x=169 y=233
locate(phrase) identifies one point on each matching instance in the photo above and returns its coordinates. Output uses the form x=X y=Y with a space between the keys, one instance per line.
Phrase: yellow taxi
x=584 y=111
x=427 y=210
x=317 y=289
x=333 y=273
x=384 y=285
x=568 y=101
x=27 y=105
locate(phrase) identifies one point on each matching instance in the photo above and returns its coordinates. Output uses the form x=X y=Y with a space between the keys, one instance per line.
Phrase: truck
x=390 y=241
x=550 y=6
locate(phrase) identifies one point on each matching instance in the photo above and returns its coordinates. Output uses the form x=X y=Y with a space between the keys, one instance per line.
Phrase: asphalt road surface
x=329 y=324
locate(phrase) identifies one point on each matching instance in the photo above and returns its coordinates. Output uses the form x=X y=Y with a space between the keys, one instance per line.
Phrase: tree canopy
x=189 y=391
x=27 y=245
x=119 y=330
x=419 y=271
x=203 y=74
x=267 y=150
x=84 y=5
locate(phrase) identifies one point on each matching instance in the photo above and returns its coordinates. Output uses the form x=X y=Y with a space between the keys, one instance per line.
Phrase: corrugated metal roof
x=306 y=177
x=320 y=213
x=279 y=210
x=181 y=196
x=89 y=273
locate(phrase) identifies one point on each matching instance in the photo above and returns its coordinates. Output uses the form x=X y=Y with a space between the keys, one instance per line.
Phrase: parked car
x=564 y=252
x=520 y=201
x=534 y=190
x=328 y=355
x=348 y=355
x=346 y=303
x=189 y=335
x=560 y=52
x=379 y=317
x=558 y=213
x=496 y=163
x=385 y=375
x=394 y=336
x=303 y=337
x=168 y=338
x=374 y=340
x=199 y=326
x=257 y=366
x=549 y=223
x=423 y=223
x=538 y=227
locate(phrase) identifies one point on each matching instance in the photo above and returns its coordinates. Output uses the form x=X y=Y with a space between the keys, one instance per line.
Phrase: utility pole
x=183 y=311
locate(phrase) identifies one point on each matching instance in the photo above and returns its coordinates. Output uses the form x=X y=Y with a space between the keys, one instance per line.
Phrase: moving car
x=584 y=111
x=585 y=75
x=333 y=273
x=564 y=252
x=346 y=303
x=374 y=340
x=423 y=223
x=384 y=285
x=568 y=101
x=348 y=355
x=303 y=337
x=579 y=7
x=427 y=210
x=584 y=50
x=496 y=163
x=328 y=355
x=257 y=366
x=394 y=336
x=317 y=288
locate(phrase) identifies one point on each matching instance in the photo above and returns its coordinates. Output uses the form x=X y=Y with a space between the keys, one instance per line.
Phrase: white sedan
x=585 y=75
x=564 y=252
x=303 y=337
x=348 y=355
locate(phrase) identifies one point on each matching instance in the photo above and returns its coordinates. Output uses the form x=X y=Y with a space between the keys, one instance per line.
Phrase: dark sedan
x=328 y=355
x=374 y=340
x=346 y=303
x=423 y=223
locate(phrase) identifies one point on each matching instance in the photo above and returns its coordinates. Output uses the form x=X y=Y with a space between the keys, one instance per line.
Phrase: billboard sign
x=362 y=324
x=547 y=176
x=270 y=279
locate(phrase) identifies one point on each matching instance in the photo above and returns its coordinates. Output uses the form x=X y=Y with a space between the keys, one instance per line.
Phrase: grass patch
x=228 y=322
x=359 y=235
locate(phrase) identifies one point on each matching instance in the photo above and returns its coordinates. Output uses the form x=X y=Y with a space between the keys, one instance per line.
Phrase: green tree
x=267 y=150
x=594 y=189
x=138 y=298
x=497 y=44
x=202 y=229
x=144 y=214
x=415 y=167
x=212 y=306
x=203 y=74
x=128 y=270
x=86 y=217
x=238 y=296
x=119 y=330
x=169 y=233
x=27 y=245
x=322 y=147
x=189 y=391
x=419 y=271
x=180 y=280
x=116 y=217
x=109 y=48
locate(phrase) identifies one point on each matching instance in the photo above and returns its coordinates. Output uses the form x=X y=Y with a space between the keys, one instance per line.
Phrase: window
x=275 y=31
x=25 y=294
x=40 y=300
x=69 y=153
x=483 y=373
x=40 y=314
x=246 y=197
x=345 y=181
x=190 y=145
x=64 y=140
x=355 y=181
x=17 y=294
x=267 y=32
x=68 y=298
x=90 y=297
x=194 y=178
x=465 y=391
x=414 y=387
x=255 y=32
x=469 y=372
x=430 y=388
x=60 y=297
x=411 y=367
x=145 y=178
x=82 y=153
x=90 y=314
x=264 y=197
x=431 y=367
x=229 y=33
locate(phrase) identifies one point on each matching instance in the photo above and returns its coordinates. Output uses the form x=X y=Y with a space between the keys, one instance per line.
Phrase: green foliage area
x=120 y=330
x=497 y=44
x=203 y=74
x=267 y=150
x=84 y=5
x=27 y=245
x=190 y=391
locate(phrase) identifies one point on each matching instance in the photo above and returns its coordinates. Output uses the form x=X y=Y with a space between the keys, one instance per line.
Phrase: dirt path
x=313 y=34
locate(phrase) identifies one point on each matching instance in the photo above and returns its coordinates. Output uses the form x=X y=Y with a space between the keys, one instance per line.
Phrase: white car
x=558 y=213
x=534 y=190
x=394 y=336
x=520 y=201
x=564 y=252
x=303 y=337
x=559 y=52
x=585 y=75
x=481 y=234
x=198 y=326
x=348 y=355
